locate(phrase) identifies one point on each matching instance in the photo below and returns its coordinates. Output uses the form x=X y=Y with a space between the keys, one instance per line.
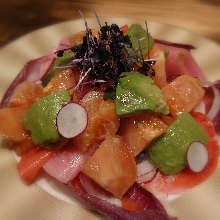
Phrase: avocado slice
x=136 y=92
x=60 y=61
x=169 y=151
x=40 y=119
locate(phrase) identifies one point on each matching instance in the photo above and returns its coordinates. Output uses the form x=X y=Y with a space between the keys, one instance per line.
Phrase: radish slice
x=71 y=120
x=197 y=156
x=215 y=105
x=146 y=171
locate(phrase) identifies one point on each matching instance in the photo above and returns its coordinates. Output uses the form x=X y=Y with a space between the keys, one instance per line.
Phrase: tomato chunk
x=112 y=166
x=138 y=132
x=183 y=94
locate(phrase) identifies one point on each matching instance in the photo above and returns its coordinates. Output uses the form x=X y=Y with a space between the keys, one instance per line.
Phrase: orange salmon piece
x=159 y=67
x=11 y=126
x=64 y=80
x=139 y=131
x=27 y=93
x=102 y=120
x=112 y=166
x=24 y=146
x=77 y=38
x=31 y=163
x=183 y=94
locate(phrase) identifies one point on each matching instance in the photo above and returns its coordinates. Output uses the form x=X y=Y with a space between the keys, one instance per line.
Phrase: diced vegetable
x=197 y=156
x=71 y=120
x=139 y=131
x=136 y=92
x=183 y=94
x=32 y=71
x=109 y=166
x=65 y=164
x=40 y=119
x=146 y=171
x=150 y=207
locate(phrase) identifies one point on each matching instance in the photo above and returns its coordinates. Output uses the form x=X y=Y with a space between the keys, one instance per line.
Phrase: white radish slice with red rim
x=197 y=156
x=146 y=171
x=71 y=120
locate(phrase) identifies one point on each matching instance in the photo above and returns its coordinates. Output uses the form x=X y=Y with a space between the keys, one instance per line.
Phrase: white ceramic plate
x=23 y=202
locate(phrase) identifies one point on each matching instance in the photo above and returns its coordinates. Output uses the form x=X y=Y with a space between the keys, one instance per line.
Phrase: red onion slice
x=95 y=190
x=152 y=209
x=215 y=104
x=32 y=71
x=146 y=171
x=177 y=45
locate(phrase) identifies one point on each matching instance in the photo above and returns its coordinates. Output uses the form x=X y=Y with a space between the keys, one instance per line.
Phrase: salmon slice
x=138 y=132
x=159 y=67
x=109 y=166
x=183 y=94
x=102 y=120
x=25 y=94
x=31 y=163
x=11 y=126
x=63 y=80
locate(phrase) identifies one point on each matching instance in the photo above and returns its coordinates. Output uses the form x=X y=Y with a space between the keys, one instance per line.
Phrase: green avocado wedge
x=40 y=119
x=136 y=92
x=169 y=151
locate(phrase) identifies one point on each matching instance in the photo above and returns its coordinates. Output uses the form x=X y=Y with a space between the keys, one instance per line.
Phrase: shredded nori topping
x=104 y=58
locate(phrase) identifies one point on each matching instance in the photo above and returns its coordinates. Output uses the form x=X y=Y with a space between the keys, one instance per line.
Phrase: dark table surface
x=18 y=17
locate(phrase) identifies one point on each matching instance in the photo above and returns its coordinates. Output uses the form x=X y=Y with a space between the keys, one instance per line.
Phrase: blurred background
x=18 y=17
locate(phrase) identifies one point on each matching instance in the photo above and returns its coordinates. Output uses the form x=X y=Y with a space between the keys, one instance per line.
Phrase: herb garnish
x=102 y=59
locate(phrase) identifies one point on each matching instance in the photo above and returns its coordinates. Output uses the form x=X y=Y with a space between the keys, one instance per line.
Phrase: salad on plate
x=124 y=120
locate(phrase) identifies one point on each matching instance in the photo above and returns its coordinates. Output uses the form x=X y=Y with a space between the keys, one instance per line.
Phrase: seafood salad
x=122 y=119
